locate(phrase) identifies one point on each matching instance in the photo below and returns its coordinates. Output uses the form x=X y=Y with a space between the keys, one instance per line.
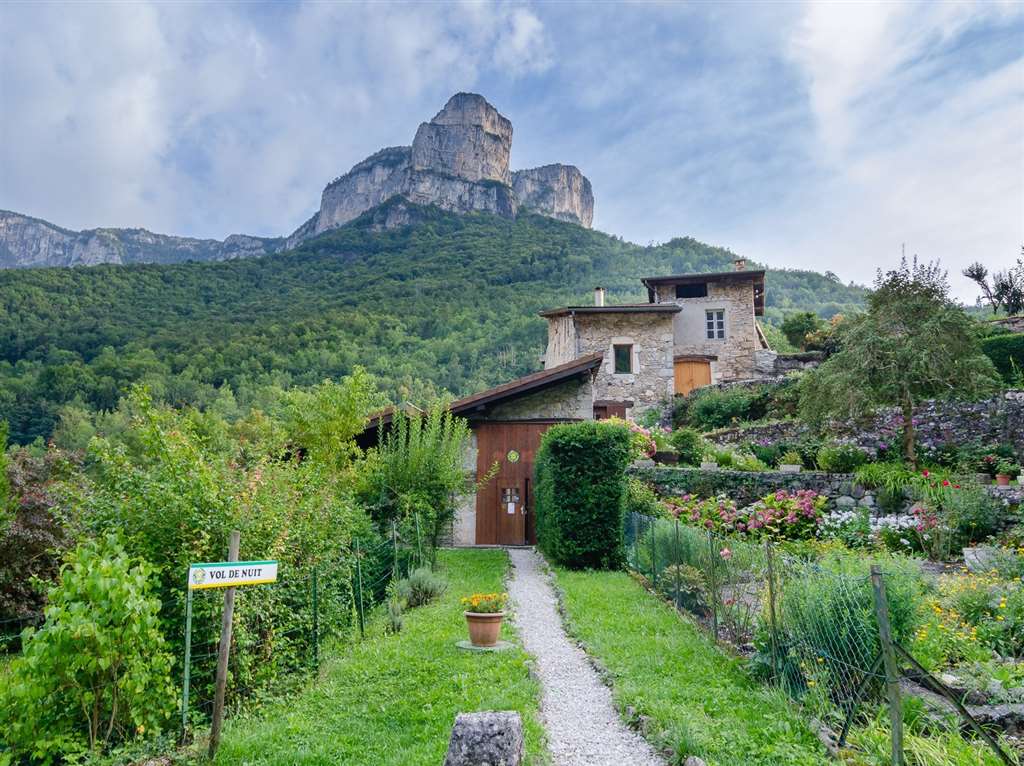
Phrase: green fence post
x=892 y=680
x=769 y=564
x=676 y=559
x=419 y=540
x=636 y=543
x=395 y=574
x=359 y=581
x=316 y=624
x=654 y=554
x=712 y=585
x=188 y=662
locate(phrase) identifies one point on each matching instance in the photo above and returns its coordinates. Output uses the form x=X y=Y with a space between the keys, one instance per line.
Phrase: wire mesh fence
x=828 y=634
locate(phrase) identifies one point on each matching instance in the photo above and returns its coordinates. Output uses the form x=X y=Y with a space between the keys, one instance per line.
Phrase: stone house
x=602 y=361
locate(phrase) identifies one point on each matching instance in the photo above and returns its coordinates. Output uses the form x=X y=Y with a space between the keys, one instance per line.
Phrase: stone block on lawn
x=486 y=739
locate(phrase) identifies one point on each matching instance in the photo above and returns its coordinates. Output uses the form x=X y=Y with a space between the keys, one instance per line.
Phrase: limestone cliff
x=559 y=191
x=459 y=161
x=26 y=242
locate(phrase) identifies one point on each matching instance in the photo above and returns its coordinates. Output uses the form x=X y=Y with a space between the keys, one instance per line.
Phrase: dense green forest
x=447 y=304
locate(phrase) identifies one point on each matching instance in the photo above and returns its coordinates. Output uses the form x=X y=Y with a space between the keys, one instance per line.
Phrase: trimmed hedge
x=581 y=486
x=1001 y=349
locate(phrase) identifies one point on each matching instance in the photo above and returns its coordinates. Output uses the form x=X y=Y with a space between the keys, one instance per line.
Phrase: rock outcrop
x=27 y=242
x=558 y=191
x=459 y=162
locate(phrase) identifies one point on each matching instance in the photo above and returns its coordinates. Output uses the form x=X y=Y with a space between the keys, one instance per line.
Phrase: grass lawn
x=392 y=699
x=698 y=700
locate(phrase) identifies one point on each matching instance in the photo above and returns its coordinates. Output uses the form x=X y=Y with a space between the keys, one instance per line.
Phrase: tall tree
x=1007 y=289
x=913 y=343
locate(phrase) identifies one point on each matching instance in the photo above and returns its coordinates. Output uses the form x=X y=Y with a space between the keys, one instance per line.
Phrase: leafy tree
x=325 y=419
x=98 y=671
x=914 y=342
x=1007 y=289
x=418 y=468
x=796 y=327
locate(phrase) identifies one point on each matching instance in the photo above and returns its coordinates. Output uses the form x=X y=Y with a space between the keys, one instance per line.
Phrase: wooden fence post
x=222 y=653
x=892 y=681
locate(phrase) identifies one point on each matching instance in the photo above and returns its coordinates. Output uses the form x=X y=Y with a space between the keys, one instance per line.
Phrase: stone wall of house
x=570 y=400
x=561 y=346
x=735 y=352
x=745 y=487
x=999 y=420
x=464 y=523
x=651 y=382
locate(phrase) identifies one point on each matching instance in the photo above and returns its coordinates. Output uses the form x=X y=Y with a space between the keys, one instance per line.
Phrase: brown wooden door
x=691 y=374
x=504 y=505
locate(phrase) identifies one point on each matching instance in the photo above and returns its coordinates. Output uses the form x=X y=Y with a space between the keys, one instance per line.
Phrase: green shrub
x=417 y=468
x=97 y=672
x=689 y=444
x=791 y=457
x=713 y=408
x=422 y=586
x=841 y=458
x=581 y=488
x=768 y=454
x=641 y=498
x=1005 y=351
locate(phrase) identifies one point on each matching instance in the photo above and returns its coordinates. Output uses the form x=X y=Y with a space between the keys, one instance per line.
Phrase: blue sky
x=807 y=135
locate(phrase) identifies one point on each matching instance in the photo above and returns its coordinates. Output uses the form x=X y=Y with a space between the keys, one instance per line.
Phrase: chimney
x=740 y=263
x=598 y=296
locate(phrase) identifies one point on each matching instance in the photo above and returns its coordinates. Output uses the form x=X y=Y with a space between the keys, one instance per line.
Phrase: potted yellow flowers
x=484 y=613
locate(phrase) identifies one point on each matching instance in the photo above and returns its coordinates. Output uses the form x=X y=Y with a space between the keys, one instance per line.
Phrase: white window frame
x=714 y=324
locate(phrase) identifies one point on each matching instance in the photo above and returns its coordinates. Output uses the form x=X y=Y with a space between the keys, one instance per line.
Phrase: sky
x=826 y=136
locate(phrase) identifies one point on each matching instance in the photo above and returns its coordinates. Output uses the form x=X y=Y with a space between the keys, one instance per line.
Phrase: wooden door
x=504 y=505
x=691 y=374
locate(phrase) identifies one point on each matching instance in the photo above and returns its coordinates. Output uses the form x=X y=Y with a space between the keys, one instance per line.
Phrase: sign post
x=221 y=574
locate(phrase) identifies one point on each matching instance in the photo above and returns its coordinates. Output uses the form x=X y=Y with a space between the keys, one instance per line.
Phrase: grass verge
x=696 y=700
x=393 y=699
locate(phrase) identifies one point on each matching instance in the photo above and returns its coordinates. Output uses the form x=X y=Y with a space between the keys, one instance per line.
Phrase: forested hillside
x=449 y=303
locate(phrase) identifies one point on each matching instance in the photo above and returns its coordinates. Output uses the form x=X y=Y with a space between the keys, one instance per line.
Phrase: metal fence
x=829 y=635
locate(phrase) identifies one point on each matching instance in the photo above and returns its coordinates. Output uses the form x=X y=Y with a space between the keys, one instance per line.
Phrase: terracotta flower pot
x=484 y=627
x=1002 y=480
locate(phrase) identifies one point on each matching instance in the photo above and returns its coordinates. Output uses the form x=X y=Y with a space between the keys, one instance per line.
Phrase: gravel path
x=582 y=725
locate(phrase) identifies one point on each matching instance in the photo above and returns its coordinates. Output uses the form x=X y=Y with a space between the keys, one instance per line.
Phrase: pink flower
x=725 y=553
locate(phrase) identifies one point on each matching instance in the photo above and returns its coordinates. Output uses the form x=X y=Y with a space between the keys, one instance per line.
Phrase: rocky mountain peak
x=459 y=161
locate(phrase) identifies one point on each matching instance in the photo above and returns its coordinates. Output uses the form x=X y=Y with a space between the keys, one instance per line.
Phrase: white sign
x=228 y=574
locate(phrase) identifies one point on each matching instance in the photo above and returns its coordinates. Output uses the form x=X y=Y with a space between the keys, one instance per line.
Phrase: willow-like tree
x=914 y=342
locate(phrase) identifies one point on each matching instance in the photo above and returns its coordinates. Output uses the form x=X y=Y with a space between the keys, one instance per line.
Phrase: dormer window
x=692 y=290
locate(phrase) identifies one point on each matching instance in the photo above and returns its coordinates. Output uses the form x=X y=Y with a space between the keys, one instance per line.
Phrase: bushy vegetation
x=98 y=671
x=228 y=334
x=417 y=470
x=710 y=408
x=1007 y=354
x=581 y=491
